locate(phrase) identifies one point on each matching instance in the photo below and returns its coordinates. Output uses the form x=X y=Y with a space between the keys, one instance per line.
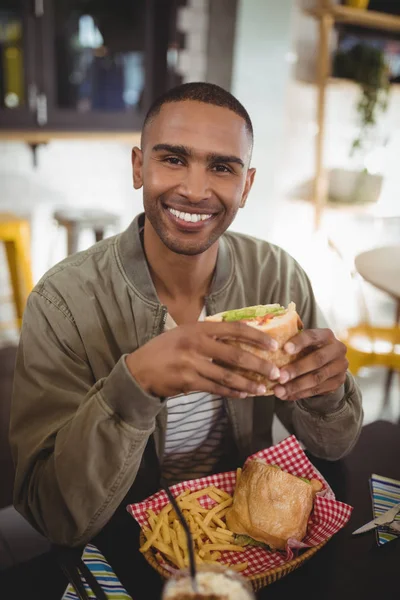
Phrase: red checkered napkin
x=327 y=518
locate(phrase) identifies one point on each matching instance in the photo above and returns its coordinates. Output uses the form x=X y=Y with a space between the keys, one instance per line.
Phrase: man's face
x=194 y=169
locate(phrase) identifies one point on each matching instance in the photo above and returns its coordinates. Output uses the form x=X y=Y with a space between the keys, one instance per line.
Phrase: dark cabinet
x=17 y=64
x=83 y=64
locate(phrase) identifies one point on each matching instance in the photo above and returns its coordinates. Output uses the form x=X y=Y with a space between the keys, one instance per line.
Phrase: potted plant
x=365 y=64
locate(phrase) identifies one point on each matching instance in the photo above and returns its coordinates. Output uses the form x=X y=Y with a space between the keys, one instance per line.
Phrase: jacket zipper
x=208 y=305
x=156 y=437
x=229 y=408
x=164 y=310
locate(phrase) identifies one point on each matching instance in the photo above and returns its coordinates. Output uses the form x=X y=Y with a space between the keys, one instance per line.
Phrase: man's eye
x=173 y=160
x=221 y=169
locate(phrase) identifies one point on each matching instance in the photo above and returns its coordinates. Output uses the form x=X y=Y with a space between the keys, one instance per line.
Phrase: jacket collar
x=135 y=265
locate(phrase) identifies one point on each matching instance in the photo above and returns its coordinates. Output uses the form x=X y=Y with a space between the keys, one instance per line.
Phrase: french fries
x=208 y=528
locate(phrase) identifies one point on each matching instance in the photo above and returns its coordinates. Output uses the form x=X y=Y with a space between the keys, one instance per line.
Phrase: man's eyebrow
x=222 y=158
x=185 y=151
x=174 y=149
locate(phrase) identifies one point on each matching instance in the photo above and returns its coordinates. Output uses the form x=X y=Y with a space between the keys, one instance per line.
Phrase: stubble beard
x=188 y=248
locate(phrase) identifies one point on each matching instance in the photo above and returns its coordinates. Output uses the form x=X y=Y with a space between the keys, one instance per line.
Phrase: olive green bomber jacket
x=80 y=422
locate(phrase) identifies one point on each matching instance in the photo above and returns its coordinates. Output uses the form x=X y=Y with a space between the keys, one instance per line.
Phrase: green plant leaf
x=365 y=65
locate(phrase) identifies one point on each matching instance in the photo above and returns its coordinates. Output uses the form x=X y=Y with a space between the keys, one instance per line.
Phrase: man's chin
x=184 y=243
x=186 y=249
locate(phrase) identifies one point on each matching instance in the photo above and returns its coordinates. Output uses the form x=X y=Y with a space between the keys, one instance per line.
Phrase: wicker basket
x=257 y=581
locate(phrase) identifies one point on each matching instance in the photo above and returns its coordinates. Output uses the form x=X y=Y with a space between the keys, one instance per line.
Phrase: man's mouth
x=189 y=217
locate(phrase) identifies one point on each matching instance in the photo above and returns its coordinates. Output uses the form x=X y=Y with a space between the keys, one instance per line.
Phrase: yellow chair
x=370 y=346
x=15 y=234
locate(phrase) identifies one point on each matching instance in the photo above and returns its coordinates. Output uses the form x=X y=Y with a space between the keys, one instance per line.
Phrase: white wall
x=69 y=174
x=296 y=168
x=193 y=23
x=261 y=72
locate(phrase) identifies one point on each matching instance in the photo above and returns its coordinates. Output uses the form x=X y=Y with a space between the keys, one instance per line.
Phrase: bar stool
x=15 y=234
x=76 y=220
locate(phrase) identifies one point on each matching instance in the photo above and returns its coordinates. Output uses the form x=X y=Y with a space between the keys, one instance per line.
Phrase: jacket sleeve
x=328 y=425
x=77 y=444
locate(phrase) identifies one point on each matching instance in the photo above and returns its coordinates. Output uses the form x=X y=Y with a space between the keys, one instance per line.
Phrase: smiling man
x=117 y=374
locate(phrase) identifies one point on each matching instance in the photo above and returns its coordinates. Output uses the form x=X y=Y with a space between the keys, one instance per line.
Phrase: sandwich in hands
x=271 y=506
x=279 y=322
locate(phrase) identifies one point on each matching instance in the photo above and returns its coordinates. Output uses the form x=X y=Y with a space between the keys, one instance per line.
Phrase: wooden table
x=346 y=568
x=381 y=268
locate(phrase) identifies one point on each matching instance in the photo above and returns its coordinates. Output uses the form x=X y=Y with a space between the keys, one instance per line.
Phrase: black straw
x=189 y=539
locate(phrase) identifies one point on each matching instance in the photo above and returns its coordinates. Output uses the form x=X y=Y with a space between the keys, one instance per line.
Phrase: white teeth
x=189 y=217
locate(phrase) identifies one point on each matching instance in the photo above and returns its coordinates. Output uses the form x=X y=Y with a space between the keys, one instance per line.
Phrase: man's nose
x=195 y=186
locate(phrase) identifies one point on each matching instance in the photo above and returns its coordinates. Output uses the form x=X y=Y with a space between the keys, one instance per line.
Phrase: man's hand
x=181 y=361
x=321 y=371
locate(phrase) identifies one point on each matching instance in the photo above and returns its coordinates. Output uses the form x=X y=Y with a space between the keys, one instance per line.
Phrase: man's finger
x=241 y=332
x=330 y=386
x=211 y=387
x=307 y=338
x=230 y=380
x=310 y=363
x=237 y=357
x=315 y=381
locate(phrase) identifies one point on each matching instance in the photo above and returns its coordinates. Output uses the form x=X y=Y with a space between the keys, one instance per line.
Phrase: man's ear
x=251 y=173
x=137 y=167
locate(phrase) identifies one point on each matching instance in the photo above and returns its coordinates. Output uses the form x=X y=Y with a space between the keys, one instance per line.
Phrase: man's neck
x=177 y=276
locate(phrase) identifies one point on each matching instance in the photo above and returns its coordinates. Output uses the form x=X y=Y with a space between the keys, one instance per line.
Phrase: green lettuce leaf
x=252 y=312
x=246 y=540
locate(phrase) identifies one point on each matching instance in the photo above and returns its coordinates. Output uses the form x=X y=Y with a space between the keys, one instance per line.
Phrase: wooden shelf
x=339 y=207
x=356 y=16
x=38 y=136
x=342 y=82
x=328 y=15
x=366 y=18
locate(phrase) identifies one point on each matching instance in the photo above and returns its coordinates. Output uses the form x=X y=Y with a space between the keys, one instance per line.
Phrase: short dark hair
x=209 y=93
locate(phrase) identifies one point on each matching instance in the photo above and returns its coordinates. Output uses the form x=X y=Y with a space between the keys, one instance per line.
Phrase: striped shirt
x=196 y=425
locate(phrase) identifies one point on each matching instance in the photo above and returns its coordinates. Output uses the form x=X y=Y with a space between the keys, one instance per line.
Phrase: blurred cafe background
x=320 y=80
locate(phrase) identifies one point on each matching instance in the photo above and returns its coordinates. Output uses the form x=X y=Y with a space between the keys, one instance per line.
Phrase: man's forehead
x=199 y=125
